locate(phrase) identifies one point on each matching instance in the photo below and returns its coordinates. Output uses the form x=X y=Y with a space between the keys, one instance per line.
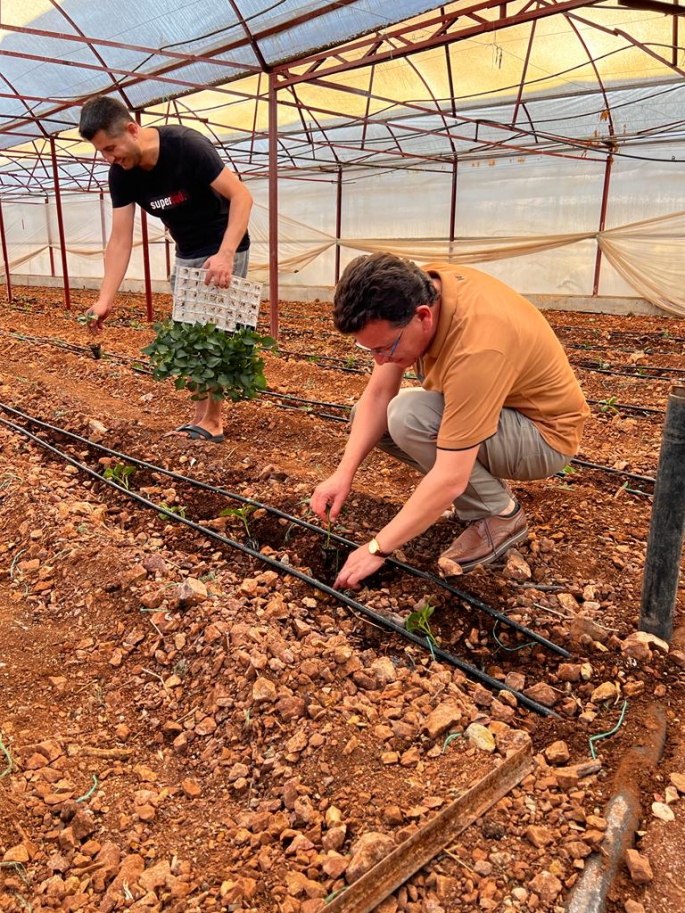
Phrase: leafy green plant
x=177 y=509
x=242 y=512
x=419 y=622
x=119 y=473
x=608 y=405
x=351 y=361
x=87 y=320
x=208 y=362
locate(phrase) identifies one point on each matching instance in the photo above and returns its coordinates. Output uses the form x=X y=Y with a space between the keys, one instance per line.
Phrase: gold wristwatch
x=375 y=549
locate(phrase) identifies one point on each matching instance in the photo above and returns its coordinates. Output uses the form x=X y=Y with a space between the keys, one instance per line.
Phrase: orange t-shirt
x=494 y=350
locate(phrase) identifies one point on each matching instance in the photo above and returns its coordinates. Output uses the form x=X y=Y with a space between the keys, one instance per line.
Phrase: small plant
x=87 y=320
x=608 y=405
x=419 y=622
x=119 y=473
x=177 y=509
x=569 y=470
x=351 y=361
x=243 y=513
x=208 y=362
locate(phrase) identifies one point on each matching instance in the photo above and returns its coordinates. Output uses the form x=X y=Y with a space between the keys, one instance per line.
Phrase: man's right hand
x=99 y=310
x=331 y=494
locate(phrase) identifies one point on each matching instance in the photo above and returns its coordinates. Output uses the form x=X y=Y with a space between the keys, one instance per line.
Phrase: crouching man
x=498 y=401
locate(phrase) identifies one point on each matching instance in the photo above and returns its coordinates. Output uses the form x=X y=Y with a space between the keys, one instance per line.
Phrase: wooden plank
x=411 y=855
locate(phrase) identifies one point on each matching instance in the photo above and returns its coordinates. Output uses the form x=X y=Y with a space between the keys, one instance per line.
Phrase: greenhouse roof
x=358 y=82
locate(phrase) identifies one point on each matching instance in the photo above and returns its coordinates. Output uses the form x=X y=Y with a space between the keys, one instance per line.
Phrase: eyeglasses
x=385 y=351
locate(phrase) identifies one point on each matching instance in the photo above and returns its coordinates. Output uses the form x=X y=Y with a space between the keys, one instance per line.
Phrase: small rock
x=441 y=719
x=264 y=690
x=678 y=780
x=542 y=693
x=569 y=672
x=189 y=593
x=557 y=753
x=367 y=851
x=516 y=568
x=632 y=906
x=547 y=886
x=539 y=836
x=639 y=867
x=96 y=430
x=155 y=876
x=18 y=853
x=481 y=737
x=662 y=811
x=191 y=788
x=607 y=691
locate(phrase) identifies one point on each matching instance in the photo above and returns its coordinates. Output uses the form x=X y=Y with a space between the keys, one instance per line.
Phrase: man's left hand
x=219 y=269
x=360 y=564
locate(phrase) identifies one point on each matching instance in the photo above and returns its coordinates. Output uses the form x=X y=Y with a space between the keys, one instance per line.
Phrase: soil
x=228 y=750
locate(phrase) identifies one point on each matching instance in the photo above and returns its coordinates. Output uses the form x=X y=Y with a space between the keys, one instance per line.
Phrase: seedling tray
x=229 y=309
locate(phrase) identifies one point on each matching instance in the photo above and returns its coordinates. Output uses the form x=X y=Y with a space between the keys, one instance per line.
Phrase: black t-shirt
x=177 y=190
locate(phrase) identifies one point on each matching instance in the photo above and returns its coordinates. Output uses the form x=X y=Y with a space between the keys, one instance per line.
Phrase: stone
x=547 y=886
x=18 y=853
x=264 y=690
x=678 y=780
x=568 y=603
x=639 y=868
x=542 y=693
x=557 y=753
x=191 y=788
x=516 y=567
x=155 y=876
x=607 y=691
x=82 y=824
x=367 y=852
x=445 y=715
x=96 y=430
x=481 y=737
x=662 y=811
x=108 y=861
x=569 y=672
x=539 y=836
x=633 y=906
x=189 y=593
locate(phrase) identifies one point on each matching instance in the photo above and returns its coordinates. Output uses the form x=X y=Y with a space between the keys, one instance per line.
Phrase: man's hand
x=96 y=316
x=331 y=494
x=360 y=564
x=220 y=269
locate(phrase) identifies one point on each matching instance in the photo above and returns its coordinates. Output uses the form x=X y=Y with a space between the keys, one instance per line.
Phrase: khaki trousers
x=517 y=451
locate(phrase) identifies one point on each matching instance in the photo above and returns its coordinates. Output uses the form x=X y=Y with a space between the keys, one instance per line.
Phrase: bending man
x=176 y=174
x=498 y=401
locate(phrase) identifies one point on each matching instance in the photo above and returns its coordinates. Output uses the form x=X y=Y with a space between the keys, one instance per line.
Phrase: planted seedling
x=608 y=405
x=87 y=320
x=119 y=473
x=330 y=551
x=177 y=509
x=419 y=622
x=243 y=513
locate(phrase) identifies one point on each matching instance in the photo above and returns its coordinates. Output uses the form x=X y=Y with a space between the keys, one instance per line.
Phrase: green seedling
x=608 y=405
x=87 y=320
x=569 y=470
x=419 y=622
x=120 y=473
x=243 y=512
x=351 y=361
x=177 y=509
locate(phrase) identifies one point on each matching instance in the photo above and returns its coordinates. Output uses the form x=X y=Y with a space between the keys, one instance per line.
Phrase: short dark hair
x=103 y=113
x=380 y=287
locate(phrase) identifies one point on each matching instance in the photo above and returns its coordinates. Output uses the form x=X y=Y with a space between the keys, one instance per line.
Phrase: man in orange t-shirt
x=498 y=401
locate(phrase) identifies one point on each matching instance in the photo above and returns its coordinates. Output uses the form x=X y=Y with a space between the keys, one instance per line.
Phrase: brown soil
x=229 y=754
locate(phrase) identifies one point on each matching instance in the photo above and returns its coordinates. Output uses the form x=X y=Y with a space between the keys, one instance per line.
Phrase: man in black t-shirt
x=176 y=174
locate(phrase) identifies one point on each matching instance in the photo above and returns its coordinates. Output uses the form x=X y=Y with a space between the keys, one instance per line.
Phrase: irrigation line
x=616 y=373
x=659 y=334
x=470 y=671
x=620 y=472
x=305 y=524
x=609 y=408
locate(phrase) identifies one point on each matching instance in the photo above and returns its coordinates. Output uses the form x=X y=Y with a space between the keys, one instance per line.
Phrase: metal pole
x=60 y=225
x=338 y=225
x=453 y=200
x=273 y=204
x=667 y=527
x=602 y=223
x=5 y=256
x=146 y=255
x=49 y=232
x=103 y=229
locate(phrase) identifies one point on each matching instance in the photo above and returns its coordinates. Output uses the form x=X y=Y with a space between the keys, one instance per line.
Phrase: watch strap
x=377 y=551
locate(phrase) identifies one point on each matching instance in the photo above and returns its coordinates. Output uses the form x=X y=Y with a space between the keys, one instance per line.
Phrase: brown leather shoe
x=482 y=542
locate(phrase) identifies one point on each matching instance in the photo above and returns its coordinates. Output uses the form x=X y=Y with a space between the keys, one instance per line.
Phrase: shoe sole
x=469 y=566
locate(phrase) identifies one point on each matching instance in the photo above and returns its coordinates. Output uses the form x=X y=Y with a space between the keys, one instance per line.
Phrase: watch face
x=374 y=547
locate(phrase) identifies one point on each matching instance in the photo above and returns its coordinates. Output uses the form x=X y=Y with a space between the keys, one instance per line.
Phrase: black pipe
x=470 y=671
x=305 y=524
x=667 y=527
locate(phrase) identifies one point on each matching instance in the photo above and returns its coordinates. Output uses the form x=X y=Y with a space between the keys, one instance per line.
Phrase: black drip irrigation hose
x=597 y=369
x=634 y=334
x=470 y=671
x=288 y=397
x=305 y=524
x=607 y=407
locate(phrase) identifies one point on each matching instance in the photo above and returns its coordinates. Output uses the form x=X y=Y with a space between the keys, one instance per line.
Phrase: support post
x=103 y=229
x=60 y=225
x=453 y=202
x=667 y=527
x=146 y=255
x=602 y=223
x=273 y=204
x=5 y=256
x=338 y=225
x=48 y=230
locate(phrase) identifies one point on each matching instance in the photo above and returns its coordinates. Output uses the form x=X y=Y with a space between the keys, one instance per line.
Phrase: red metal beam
x=5 y=256
x=273 y=204
x=146 y=256
x=602 y=223
x=60 y=225
x=338 y=224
